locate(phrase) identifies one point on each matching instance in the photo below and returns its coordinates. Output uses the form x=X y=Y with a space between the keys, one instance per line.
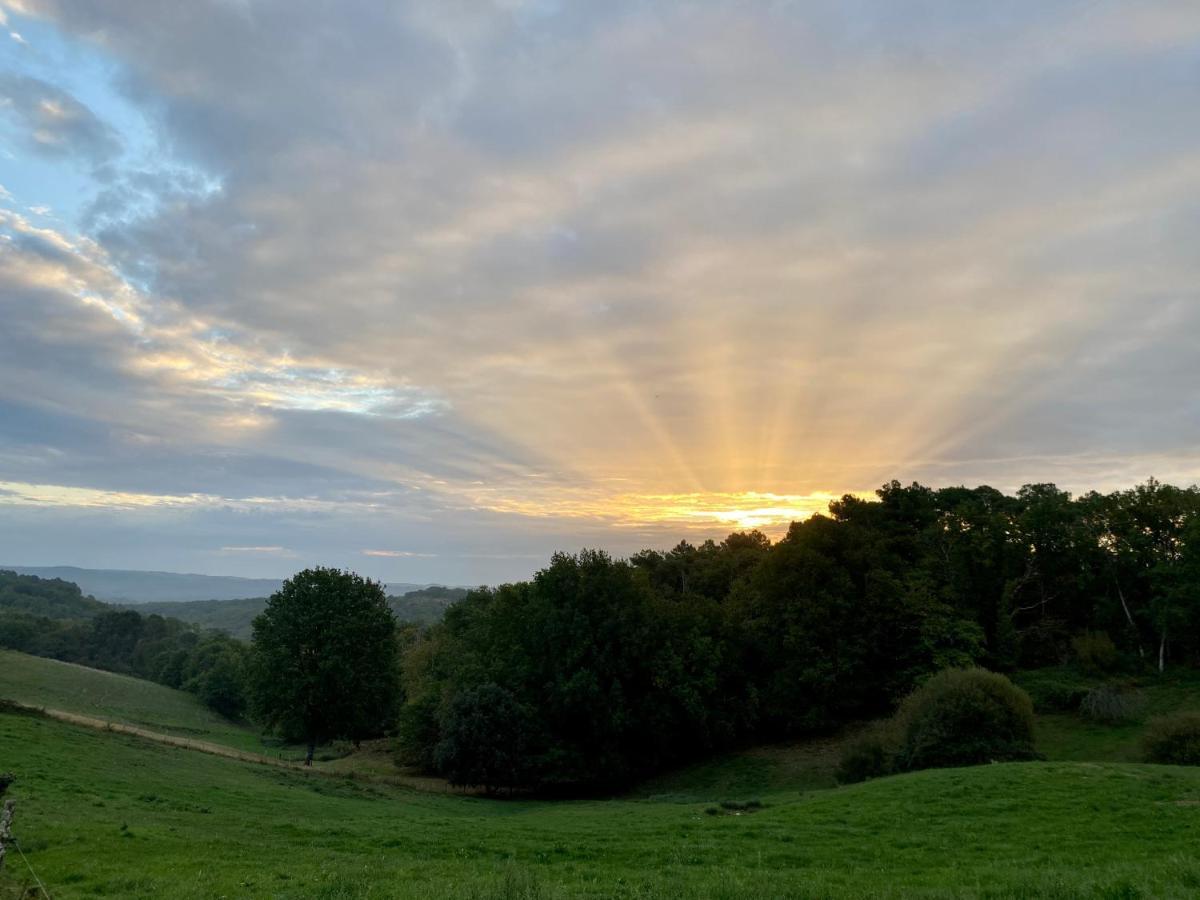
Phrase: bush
x=871 y=755
x=1112 y=704
x=963 y=717
x=1095 y=652
x=1173 y=740
x=1056 y=694
x=417 y=734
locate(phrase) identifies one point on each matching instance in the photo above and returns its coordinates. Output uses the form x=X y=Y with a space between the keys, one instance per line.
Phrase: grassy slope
x=104 y=814
x=1065 y=736
x=118 y=698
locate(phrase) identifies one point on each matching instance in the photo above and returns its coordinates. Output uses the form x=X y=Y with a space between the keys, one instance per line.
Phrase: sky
x=430 y=290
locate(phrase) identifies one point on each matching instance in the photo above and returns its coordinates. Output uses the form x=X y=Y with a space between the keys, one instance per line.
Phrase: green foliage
x=418 y=733
x=870 y=755
x=676 y=654
x=1173 y=740
x=51 y=598
x=324 y=658
x=627 y=668
x=220 y=680
x=485 y=739
x=236 y=617
x=1095 y=653
x=1112 y=704
x=963 y=717
x=620 y=684
x=1056 y=689
x=1043 y=643
x=53 y=619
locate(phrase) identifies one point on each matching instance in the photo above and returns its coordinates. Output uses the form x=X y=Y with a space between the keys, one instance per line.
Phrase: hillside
x=423 y=606
x=35 y=681
x=52 y=598
x=108 y=814
x=103 y=813
x=137 y=587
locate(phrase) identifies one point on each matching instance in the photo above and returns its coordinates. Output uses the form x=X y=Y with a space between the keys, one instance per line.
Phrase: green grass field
x=119 y=698
x=104 y=814
x=108 y=815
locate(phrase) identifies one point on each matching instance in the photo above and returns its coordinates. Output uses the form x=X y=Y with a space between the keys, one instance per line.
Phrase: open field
x=106 y=814
x=119 y=698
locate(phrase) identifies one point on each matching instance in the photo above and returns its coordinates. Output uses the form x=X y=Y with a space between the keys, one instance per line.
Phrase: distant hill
x=424 y=606
x=133 y=587
x=52 y=598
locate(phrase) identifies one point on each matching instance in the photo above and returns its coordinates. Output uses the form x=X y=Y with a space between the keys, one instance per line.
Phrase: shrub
x=1112 y=704
x=963 y=717
x=417 y=734
x=1056 y=694
x=1173 y=740
x=871 y=755
x=1095 y=652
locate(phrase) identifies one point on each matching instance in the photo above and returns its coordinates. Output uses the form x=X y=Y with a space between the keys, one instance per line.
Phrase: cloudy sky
x=430 y=289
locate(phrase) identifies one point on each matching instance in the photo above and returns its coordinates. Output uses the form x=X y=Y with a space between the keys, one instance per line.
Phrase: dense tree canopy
x=598 y=670
x=630 y=666
x=323 y=660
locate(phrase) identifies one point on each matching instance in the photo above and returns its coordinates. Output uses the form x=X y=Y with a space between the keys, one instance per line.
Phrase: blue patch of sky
x=68 y=186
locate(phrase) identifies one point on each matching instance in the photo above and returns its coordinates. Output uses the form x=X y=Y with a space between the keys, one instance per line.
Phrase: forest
x=599 y=671
x=602 y=670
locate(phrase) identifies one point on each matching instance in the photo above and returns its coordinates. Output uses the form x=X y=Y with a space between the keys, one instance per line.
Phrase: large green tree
x=324 y=658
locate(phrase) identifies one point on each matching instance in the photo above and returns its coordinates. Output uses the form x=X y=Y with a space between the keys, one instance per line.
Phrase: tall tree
x=324 y=658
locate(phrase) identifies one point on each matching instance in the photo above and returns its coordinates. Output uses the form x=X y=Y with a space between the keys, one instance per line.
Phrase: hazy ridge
x=131 y=586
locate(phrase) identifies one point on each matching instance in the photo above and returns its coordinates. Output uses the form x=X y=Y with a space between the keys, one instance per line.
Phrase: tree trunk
x=1162 y=652
x=1129 y=618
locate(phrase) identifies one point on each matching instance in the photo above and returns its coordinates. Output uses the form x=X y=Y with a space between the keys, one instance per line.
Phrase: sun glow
x=695 y=511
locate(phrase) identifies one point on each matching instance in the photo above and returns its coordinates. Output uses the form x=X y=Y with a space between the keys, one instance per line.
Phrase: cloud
x=283 y=552
x=52 y=123
x=607 y=272
x=399 y=554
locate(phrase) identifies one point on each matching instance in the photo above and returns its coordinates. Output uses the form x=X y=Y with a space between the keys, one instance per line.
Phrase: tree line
x=597 y=671
x=53 y=618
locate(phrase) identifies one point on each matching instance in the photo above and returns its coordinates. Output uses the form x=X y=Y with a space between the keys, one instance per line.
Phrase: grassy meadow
x=48 y=683
x=104 y=814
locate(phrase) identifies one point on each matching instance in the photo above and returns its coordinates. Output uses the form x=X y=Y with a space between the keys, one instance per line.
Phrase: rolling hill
x=36 y=681
x=423 y=606
x=103 y=813
x=136 y=587
x=52 y=598
x=108 y=814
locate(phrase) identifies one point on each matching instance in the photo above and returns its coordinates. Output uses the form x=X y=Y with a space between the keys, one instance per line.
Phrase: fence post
x=6 y=817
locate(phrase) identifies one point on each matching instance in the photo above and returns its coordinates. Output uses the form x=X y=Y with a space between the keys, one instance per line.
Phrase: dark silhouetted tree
x=323 y=661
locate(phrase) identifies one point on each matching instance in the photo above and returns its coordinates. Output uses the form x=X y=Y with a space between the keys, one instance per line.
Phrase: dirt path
x=435 y=785
x=159 y=737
